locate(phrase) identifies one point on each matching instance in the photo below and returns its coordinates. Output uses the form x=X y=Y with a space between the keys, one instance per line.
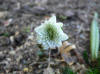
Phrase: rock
x=25 y=69
x=8 y=59
x=19 y=39
x=49 y=70
x=19 y=58
x=12 y=52
x=12 y=39
x=8 y=22
x=69 y=13
x=1 y=52
x=4 y=41
x=2 y=57
x=3 y=14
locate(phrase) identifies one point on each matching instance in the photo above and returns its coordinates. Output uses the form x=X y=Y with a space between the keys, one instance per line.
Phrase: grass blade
x=94 y=37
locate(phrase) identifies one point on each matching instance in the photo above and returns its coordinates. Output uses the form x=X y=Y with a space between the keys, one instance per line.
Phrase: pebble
x=2 y=57
x=12 y=39
x=3 y=14
x=8 y=59
x=69 y=13
x=4 y=41
x=4 y=63
x=19 y=58
x=8 y=22
x=25 y=69
x=1 y=52
x=12 y=52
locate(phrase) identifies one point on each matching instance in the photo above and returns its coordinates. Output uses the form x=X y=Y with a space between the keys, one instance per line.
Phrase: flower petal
x=50 y=29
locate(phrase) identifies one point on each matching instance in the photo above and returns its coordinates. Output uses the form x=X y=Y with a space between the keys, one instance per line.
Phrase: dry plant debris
x=65 y=52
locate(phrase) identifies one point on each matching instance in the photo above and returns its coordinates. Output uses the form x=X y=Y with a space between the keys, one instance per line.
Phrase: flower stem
x=49 y=59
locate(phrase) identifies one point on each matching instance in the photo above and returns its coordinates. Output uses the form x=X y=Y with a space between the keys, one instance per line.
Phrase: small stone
x=4 y=41
x=5 y=51
x=12 y=52
x=69 y=13
x=1 y=52
x=2 y=57
x=3 y=14
x=8 y=22
x=19 y=39
x=25 y=69
x=8 y=59
x=19 y=58
x=4 y=63
x=40 y=66
x=17 y=33
x=12 y=39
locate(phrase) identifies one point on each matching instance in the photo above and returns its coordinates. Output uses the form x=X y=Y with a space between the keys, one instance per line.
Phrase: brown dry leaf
x=66 y=47
x=64 y=50
x=49 y=70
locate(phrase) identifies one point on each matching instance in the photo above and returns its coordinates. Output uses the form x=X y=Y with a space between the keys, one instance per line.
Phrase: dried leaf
x=64 y=50
x=66 y=47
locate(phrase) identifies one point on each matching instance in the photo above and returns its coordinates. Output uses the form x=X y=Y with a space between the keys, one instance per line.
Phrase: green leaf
x=6 y=34
x=94 y=37
x=67 y=70
x=62 y=17
x=93 y=71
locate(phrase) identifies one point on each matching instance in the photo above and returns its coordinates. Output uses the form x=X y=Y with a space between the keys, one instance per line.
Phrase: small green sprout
x=6 y=34
x=50 y=33
x=62 y=17
x=94 y=37
x=68 y=70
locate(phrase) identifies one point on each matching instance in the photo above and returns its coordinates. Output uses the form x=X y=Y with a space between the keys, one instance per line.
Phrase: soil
x=18 y=51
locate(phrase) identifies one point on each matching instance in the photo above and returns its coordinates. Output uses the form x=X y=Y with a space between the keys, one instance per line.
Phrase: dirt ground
x=18 y=18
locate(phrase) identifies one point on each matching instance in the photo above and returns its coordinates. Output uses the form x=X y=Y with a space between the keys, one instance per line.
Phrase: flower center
x=51 y=32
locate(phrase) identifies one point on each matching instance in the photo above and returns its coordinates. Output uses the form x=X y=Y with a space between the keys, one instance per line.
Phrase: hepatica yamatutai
x=50 y=33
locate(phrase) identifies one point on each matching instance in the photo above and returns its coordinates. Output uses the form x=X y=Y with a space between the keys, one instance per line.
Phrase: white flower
x=50 y=33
